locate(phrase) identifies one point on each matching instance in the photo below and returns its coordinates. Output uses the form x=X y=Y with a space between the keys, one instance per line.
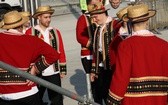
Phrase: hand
x=62 y=75
x=92 y=77
x=32 y=71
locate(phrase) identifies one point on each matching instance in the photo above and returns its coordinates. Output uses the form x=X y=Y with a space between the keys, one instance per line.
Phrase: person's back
x=15 y=50
x=20 y=52
x=152 y=50
x=26 y=53
x=147 y=70
x=141 y=76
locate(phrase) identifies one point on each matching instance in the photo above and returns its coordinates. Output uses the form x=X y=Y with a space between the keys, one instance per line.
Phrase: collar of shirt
x=44 y=33
x=143 y=33
x=109 y=19
x=14 y=32
x=39 y=28
x=123 y=31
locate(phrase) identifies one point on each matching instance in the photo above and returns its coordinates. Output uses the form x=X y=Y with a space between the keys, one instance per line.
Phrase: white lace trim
x=143 y=33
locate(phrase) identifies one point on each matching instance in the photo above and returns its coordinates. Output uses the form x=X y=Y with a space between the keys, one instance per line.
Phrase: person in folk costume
x=53 y=37
x=84 y=35
x=23 y=52
x=27 y=25
x=141 y=76
x=120 y=36
x=104 y=33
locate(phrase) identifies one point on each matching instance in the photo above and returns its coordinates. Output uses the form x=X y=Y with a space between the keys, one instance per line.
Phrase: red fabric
x=29 y=31
x=113 y=50
x=116 y=26
x=82 y=34
x=140 y=56
x=61 y=48
x=20 y=52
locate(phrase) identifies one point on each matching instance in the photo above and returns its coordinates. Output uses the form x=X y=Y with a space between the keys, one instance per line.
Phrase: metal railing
x=82 y=100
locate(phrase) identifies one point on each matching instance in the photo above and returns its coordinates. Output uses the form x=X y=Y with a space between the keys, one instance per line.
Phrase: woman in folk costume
x=141 y=76
x=53 y=37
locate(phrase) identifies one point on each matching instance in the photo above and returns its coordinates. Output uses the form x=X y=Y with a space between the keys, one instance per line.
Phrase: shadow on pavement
x=78 y=80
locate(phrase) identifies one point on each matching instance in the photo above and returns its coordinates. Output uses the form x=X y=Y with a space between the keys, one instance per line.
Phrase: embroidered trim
x=116 y=97
x=113 y=99
x=147 y=86
x=63 y=68
x=144 y=94
x=41 y=65
x=55 y=44
x=8 y=77
x=149 y=78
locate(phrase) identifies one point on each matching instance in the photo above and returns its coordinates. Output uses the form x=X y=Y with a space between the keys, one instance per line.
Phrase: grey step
x=63 y=7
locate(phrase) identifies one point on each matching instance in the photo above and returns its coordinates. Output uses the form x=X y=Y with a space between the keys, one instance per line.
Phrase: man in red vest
x=106 y=30
x=51 y=36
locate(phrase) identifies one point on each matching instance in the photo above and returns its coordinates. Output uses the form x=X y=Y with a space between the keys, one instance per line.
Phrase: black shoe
x=45 y=103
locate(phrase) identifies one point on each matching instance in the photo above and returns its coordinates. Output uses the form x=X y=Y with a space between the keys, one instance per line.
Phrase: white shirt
x=101 y=30
x=112 y=12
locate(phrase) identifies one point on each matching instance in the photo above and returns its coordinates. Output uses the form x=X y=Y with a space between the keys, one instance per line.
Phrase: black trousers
x=30 y=100
x=101 y=86
x=54 y=97
x=87 y=64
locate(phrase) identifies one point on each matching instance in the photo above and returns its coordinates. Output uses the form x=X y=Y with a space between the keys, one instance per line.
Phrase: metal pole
x=32 y=10
x=89 y=91
x=37 y=3
x=24 y=4
x=45 y=83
